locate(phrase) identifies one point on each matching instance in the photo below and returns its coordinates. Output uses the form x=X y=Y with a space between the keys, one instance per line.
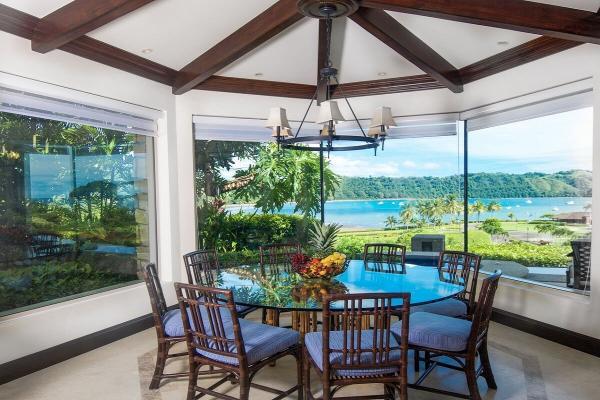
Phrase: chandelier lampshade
x=382 y=120
x=278 y=122
x=330 y=112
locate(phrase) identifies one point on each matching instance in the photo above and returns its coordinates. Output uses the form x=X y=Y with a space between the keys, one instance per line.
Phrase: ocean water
x=372 y=213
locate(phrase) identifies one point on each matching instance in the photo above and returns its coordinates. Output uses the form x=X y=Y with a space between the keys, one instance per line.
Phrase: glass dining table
x=277 y=289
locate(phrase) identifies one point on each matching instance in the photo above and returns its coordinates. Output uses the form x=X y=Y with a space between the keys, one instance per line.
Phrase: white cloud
x=409 y=164
x=431 y=165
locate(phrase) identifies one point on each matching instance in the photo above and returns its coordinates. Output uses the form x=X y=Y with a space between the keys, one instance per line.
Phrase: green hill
x=575 y=183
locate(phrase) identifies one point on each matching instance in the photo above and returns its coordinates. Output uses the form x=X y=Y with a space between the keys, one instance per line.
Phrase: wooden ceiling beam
x=527 y=52
x=266 y=25
x=22 y=24
x=322 y=62
x=257 y=87
x=78 y=18
x=391 y=32
x=519 y=15
x=386 y=86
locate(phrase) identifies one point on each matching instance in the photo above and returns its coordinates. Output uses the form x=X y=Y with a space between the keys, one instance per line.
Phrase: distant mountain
x=574 y=183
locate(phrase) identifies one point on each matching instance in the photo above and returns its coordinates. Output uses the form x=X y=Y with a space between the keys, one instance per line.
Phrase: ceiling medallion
x=329 y=112
x=328 y=8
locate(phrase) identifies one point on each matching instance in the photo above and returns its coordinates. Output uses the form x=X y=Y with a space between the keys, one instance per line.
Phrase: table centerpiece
x=322 y=262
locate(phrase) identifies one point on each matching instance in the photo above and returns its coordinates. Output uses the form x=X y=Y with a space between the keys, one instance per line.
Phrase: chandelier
x=329 y=114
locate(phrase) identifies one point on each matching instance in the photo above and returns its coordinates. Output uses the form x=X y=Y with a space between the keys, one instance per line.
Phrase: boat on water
x=528 y=201
x=380 y=203
x=570 y=203
x=509 y=208
x=555 y=209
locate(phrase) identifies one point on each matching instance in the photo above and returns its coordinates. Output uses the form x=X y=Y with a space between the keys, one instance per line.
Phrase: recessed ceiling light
x=258 y=74
x=147 y=51
x=502 y=43
x=381 y=73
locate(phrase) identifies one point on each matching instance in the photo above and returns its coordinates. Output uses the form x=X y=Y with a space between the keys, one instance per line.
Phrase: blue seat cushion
x=436 y=331
x=314 y=344
x=448 y=307
x=173 y=324
x=260 y=341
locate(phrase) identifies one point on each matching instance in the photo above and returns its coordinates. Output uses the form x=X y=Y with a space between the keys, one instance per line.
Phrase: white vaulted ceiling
x=178 y=31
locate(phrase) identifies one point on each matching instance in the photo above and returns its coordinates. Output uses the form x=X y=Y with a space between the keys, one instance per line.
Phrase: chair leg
x=192 y=379
x=487 y=366
x=389 y=392
x=306 y=374
x=244 y=387
x=403 y=390
x=416 y=359
x=299 y=371
x=161 y=359
x=472 y=379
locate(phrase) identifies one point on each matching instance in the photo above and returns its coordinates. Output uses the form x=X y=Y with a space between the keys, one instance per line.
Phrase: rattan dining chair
x=461 y=268
x=385 y=253
x=216 y=337
x=169 y=329
x=345 y=353
x=458 y=339
x=274 y=260
x=201 y=267
x=278 y=256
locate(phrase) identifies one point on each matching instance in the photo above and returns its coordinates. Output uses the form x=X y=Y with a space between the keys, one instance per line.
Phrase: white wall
x=55 y=74
x=175 y=181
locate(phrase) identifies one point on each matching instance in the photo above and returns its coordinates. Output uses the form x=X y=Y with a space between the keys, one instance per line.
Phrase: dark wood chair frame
x=476 y=346
x=451 y=265
x=350 y=319
x=451 y=269
x=582 y=249
x=200 y=268
x=165 y=343
x=277 y=257
x=385 y=252
x=215 y=341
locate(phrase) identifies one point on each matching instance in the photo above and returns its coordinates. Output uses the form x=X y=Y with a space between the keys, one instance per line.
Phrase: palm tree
x=391 y=222
x=453 y=206
x=408 y=215
x=512 y=216
x=478 y=207
x=494 y=206
x=437 y=210
x=424 y=208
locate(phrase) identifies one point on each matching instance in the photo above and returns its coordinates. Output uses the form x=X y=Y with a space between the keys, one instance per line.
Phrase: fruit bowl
x=319 y=268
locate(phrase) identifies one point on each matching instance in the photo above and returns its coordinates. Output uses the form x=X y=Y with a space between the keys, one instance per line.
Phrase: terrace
x=126 y=142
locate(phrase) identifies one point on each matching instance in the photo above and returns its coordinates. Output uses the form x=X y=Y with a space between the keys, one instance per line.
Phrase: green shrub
x=493 y=226
x=235 y=232
x=528 y=254
x=25 y=285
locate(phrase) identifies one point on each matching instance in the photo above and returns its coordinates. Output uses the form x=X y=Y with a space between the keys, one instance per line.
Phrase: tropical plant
x=279 y=177
x=478 y=207
x=453 y=206
x=494 y=206
x=493 y=226
x=322 y=238
x=408 y=215
x=390 y=222
x=512 y=216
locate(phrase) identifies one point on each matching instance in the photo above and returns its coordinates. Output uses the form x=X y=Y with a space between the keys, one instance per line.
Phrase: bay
x=372 y=214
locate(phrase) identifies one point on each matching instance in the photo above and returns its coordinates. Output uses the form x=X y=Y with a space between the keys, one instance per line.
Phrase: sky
x=547 y=144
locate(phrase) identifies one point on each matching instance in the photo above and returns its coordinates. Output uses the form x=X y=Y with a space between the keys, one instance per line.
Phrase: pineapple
x=322 y=238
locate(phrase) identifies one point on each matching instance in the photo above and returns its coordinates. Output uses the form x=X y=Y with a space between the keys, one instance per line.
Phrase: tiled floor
x=525 y=367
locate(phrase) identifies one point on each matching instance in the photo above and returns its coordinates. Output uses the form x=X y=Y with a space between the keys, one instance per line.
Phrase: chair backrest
x=461 y=268
x=278 y=255
x=385 y=252
x=358 y=352
x=581 y=263
x=483 y=311
x=210 y=322
x=157 y=298
x=200 y=267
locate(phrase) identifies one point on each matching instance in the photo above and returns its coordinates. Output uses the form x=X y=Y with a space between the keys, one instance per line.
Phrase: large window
x=251 y=193
x=75 y=204
x=530 y=196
